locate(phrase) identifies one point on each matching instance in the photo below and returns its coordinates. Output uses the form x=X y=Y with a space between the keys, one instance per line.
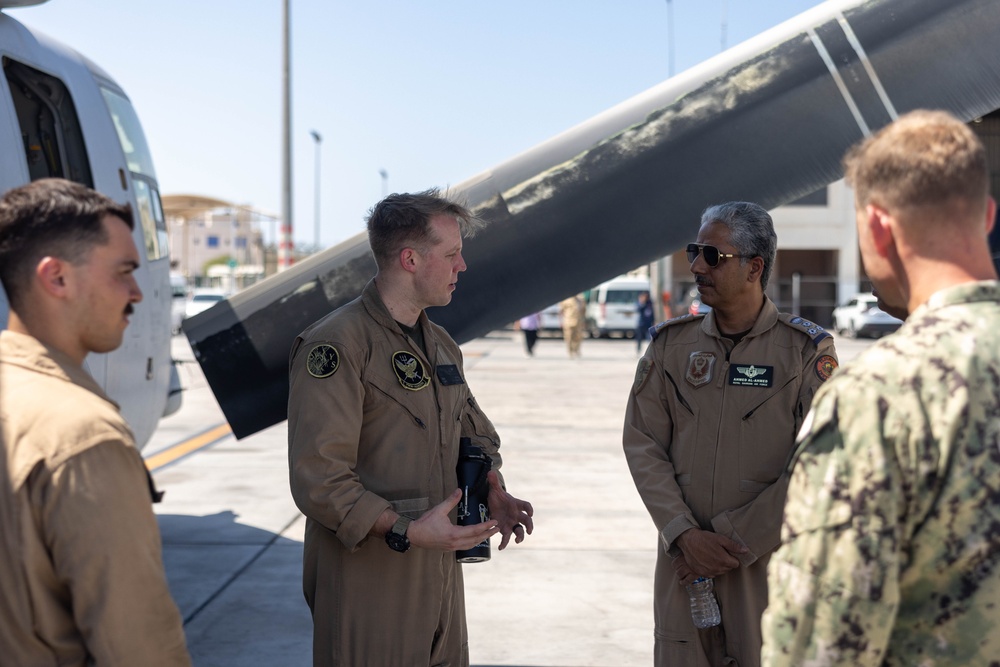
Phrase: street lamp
x=318 y=140
x=385 y=182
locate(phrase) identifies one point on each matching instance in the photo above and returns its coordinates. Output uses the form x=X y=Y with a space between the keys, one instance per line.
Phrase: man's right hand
x=709 y=554
x=434 y=530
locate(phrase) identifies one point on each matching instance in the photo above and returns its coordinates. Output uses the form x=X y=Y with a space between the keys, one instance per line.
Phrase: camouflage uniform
x=891 y=534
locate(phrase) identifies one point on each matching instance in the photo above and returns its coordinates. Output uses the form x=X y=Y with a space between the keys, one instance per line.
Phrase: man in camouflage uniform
x=710 y=425
x=891 y=539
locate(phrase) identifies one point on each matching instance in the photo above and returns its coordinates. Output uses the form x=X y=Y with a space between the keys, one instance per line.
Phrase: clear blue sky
x=433 y=92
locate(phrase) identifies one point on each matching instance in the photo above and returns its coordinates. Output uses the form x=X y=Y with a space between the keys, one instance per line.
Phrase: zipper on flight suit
x=472 y=422
x=768 y=398
x=677 y=392
x=418 y=420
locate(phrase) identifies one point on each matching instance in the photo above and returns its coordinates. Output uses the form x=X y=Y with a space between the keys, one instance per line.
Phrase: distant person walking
x=530 y=324
x=573 y=319
x=644 y=320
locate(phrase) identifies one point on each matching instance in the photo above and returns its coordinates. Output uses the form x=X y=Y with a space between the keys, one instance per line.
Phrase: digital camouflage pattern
x=891 y=537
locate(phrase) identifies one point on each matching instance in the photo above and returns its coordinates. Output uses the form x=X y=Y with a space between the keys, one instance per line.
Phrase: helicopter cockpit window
x=140 y=164
x=50 y=128
x=150 y=216
x=130 y=133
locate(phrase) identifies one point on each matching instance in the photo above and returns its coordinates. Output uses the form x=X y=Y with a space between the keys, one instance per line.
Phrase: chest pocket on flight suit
x=684 y=440
x=386 y=392
x=766 y=423
x=478 y=421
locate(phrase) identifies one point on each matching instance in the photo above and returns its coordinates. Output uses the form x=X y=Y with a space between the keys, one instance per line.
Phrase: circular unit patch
x=410 y=371
x=323 y=361
x=825 y=366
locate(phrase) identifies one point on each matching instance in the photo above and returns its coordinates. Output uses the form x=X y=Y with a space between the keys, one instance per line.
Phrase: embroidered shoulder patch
x=323 y=361
x=825 y=366
x=641 y=374
x=410 y=371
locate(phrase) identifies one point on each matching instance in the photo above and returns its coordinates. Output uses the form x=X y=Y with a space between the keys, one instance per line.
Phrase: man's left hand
x=513 y=515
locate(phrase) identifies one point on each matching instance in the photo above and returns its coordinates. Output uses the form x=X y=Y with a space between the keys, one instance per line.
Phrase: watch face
x=397 y=542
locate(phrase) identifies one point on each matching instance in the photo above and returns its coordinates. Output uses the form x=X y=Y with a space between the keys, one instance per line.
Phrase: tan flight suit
x=374 y=422
x=81 y=573
x=708 y=430
x=574 y=318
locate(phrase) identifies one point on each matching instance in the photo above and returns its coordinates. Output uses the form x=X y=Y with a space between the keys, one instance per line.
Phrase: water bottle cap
x=700 y=579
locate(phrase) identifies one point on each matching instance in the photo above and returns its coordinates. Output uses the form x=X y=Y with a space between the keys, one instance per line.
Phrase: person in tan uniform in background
x=573 y=313
x=81 y=572
x=376 y=407
x=710 y=423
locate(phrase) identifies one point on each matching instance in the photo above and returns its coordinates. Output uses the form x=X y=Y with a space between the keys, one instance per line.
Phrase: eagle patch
x=410 y=371
x=699 y=370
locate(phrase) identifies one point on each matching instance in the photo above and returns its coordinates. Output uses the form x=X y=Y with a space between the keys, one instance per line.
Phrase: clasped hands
x=509 y=516
x=705 y=554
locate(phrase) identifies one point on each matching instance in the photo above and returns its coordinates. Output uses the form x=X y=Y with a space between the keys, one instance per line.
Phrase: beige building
x=214 y=242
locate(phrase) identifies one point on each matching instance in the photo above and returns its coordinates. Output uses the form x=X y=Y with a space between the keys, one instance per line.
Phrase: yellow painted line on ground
x=184 y=448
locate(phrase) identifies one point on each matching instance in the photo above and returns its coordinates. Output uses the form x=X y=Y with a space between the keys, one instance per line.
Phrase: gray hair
x=751 y=232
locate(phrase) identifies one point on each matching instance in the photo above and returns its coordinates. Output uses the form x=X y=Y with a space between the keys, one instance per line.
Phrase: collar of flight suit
x=373 y=303
x=29 y=353
x=766 y=319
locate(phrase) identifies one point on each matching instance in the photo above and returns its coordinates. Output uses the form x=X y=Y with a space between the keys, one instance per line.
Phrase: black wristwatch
x=396 y=537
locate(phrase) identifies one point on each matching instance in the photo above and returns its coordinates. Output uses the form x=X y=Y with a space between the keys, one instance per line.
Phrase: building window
x=212 y=241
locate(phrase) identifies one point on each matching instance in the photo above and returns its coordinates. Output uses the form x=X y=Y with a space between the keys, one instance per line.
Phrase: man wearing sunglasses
x=711 y=420
x=890 y=543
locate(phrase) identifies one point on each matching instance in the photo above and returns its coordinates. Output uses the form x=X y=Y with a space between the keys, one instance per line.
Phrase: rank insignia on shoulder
x=657 y=328
x=815 y=331
x=410 y=371
x=825 y=366
x=323 y=361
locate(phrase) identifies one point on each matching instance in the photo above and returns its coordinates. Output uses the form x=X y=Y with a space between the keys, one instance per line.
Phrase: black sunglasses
x=709 y=252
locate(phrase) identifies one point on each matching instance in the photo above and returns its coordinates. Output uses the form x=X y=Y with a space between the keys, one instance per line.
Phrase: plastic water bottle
x=704 y=607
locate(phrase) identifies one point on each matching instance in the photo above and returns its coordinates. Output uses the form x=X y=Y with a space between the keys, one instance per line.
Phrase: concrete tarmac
x=578 y=592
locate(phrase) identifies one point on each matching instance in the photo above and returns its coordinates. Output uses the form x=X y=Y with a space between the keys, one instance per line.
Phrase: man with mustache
x=81 y=572
x=377 y=405
x=711 y=419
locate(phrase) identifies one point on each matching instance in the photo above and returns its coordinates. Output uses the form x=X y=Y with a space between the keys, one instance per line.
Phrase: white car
x=202 y=300
x=861 y=316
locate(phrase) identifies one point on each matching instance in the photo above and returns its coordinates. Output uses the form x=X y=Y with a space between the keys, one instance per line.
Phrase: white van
x=611 y=307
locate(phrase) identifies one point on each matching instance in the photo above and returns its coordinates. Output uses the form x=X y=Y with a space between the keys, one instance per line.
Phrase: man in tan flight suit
x=377 y=404
x=574 y=318
x=711 y=420
x=81 y=574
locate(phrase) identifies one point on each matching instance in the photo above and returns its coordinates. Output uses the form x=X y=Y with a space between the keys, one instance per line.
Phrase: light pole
x=670 y=38
x=385 y=182
x=318 y=140
x=285 y=242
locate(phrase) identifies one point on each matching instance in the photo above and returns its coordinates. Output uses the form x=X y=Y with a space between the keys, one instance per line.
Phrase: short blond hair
x=926 y=159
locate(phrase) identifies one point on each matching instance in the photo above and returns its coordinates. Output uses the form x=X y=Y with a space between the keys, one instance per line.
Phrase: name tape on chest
x=449 y=374
x=751 y=375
